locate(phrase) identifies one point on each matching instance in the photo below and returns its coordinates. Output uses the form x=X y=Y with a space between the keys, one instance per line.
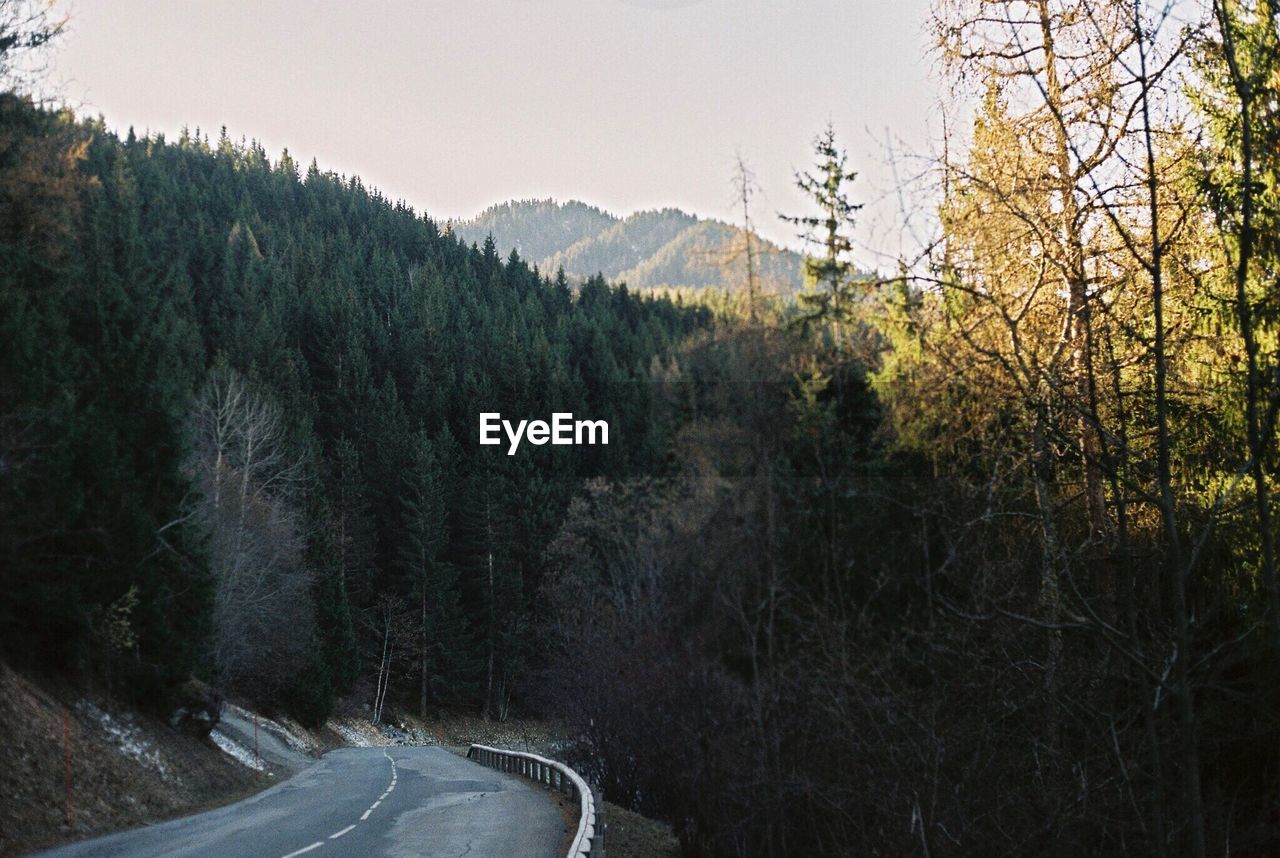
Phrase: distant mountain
x=624 y=245
x=647 y=250
x=536 y=229
x=713 y=253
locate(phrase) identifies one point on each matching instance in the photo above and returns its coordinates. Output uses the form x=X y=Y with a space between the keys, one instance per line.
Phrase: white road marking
x=363 y=816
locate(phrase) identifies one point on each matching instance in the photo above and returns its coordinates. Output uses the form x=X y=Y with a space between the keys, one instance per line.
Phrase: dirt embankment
x=125 y=769
x=129 y=769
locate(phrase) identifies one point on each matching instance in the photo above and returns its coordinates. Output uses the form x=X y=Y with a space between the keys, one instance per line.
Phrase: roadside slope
x=126 y=769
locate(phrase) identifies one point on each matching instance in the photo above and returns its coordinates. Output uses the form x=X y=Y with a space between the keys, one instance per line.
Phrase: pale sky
x=626 y=104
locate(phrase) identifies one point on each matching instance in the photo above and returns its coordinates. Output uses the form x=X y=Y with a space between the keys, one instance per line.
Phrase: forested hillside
x=536 y=229
x=666 y=248
x=976 y=556
x=623 y=245
x=239 y=423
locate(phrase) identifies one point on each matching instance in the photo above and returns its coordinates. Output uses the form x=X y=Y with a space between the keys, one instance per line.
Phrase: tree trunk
x=1050 y=585
x=493 y=631
x=382 y=668
x=1077 y=329
x=422 y=694
x=1259 y=445
x=1168 y=511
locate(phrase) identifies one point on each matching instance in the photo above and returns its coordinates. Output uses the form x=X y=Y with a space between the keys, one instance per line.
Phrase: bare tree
x=744 y=185
x=1079 y=95
x=249 y=482
x=395 y=626
x=27 y=27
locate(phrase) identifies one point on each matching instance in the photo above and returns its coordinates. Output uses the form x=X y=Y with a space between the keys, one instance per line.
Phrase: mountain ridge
x=647 y=249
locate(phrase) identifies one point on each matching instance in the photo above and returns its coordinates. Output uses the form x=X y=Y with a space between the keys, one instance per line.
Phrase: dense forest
x=974 y=557
x=240 y=415
x=977 y=558
x=666 y=249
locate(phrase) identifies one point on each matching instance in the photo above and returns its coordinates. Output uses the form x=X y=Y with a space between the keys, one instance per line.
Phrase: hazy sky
x=627 y=104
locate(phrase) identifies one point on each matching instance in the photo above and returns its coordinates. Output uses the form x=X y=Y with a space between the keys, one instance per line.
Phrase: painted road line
x=315 y=845
x=342 y=832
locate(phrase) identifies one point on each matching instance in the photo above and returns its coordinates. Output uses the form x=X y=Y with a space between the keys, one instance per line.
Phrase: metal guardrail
x=589 y=838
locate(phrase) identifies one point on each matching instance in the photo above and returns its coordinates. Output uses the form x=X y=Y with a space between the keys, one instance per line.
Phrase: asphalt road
x=399 y=801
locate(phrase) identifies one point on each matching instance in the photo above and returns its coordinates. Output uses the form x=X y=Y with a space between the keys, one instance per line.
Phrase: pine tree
x=832 y=273
x=443 y=640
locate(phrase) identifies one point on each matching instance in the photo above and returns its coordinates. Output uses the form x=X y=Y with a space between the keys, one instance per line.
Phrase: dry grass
x=111 y=789
x=456 y=730
x=631 y=835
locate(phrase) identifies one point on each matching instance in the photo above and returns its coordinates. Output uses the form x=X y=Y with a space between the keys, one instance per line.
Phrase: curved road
x=399 y=801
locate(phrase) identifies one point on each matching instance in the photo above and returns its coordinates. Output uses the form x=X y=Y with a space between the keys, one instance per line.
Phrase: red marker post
x=66 y=755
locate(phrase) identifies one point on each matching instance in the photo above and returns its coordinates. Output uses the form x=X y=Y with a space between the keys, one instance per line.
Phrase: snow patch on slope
x=359 y=734
x=231 y=748
x=128 y=738
x=291 y=734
